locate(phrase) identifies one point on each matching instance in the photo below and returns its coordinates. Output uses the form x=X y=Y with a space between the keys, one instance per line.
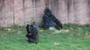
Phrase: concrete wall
x=22 y=12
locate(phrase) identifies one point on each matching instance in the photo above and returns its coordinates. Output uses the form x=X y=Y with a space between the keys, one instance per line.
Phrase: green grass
x=71 y=37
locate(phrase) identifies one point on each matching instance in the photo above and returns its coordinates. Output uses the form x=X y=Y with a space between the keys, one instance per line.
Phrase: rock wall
x=22 y=12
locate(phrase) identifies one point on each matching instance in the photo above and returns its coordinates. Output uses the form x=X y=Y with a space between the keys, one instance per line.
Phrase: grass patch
x=72 y=37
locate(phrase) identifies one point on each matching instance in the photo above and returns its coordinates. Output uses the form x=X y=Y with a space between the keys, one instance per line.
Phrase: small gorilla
x=32 y=33
x=48 y=17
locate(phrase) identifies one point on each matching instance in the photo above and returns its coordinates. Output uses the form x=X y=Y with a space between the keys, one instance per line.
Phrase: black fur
x=32 y=33
x=50 y=20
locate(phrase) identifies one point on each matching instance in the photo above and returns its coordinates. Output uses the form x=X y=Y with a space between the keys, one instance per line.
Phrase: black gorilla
x=48 y=12
x=32 y=33
x=49 y=20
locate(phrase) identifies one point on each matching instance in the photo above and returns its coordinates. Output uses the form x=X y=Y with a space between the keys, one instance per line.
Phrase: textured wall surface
x=22 y=12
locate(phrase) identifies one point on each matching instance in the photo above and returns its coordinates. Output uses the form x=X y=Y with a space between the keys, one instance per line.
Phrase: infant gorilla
x=32 y=33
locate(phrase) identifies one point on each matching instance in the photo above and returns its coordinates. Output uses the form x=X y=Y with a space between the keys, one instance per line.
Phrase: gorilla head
x=47 y=11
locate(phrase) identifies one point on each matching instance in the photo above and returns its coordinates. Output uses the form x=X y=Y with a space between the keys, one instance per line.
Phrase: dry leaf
x=55 y=44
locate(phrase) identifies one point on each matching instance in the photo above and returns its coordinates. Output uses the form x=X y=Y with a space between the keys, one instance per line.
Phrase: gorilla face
x=47 y=11
x=32 y=26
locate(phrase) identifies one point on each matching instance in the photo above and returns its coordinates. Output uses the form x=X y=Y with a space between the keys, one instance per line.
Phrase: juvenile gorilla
x=32 y=33
x=49 y=20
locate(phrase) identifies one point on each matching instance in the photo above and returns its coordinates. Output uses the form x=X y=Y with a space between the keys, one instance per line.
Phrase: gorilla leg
x=45 y=25
x=29 y=35
x=30 y=40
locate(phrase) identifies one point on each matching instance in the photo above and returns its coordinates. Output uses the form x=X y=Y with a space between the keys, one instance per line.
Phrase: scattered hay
x=60 y=31
x=19 y=32
x=9 y=29
x=55 y=44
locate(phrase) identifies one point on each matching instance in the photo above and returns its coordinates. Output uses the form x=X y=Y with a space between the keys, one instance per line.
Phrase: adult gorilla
x=49 y=18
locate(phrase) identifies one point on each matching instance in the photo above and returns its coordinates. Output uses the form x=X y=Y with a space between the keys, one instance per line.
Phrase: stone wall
x=22 y=12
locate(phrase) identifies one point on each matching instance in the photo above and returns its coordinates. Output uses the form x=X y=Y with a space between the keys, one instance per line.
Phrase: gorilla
x=32 y=33
x=50 y=20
